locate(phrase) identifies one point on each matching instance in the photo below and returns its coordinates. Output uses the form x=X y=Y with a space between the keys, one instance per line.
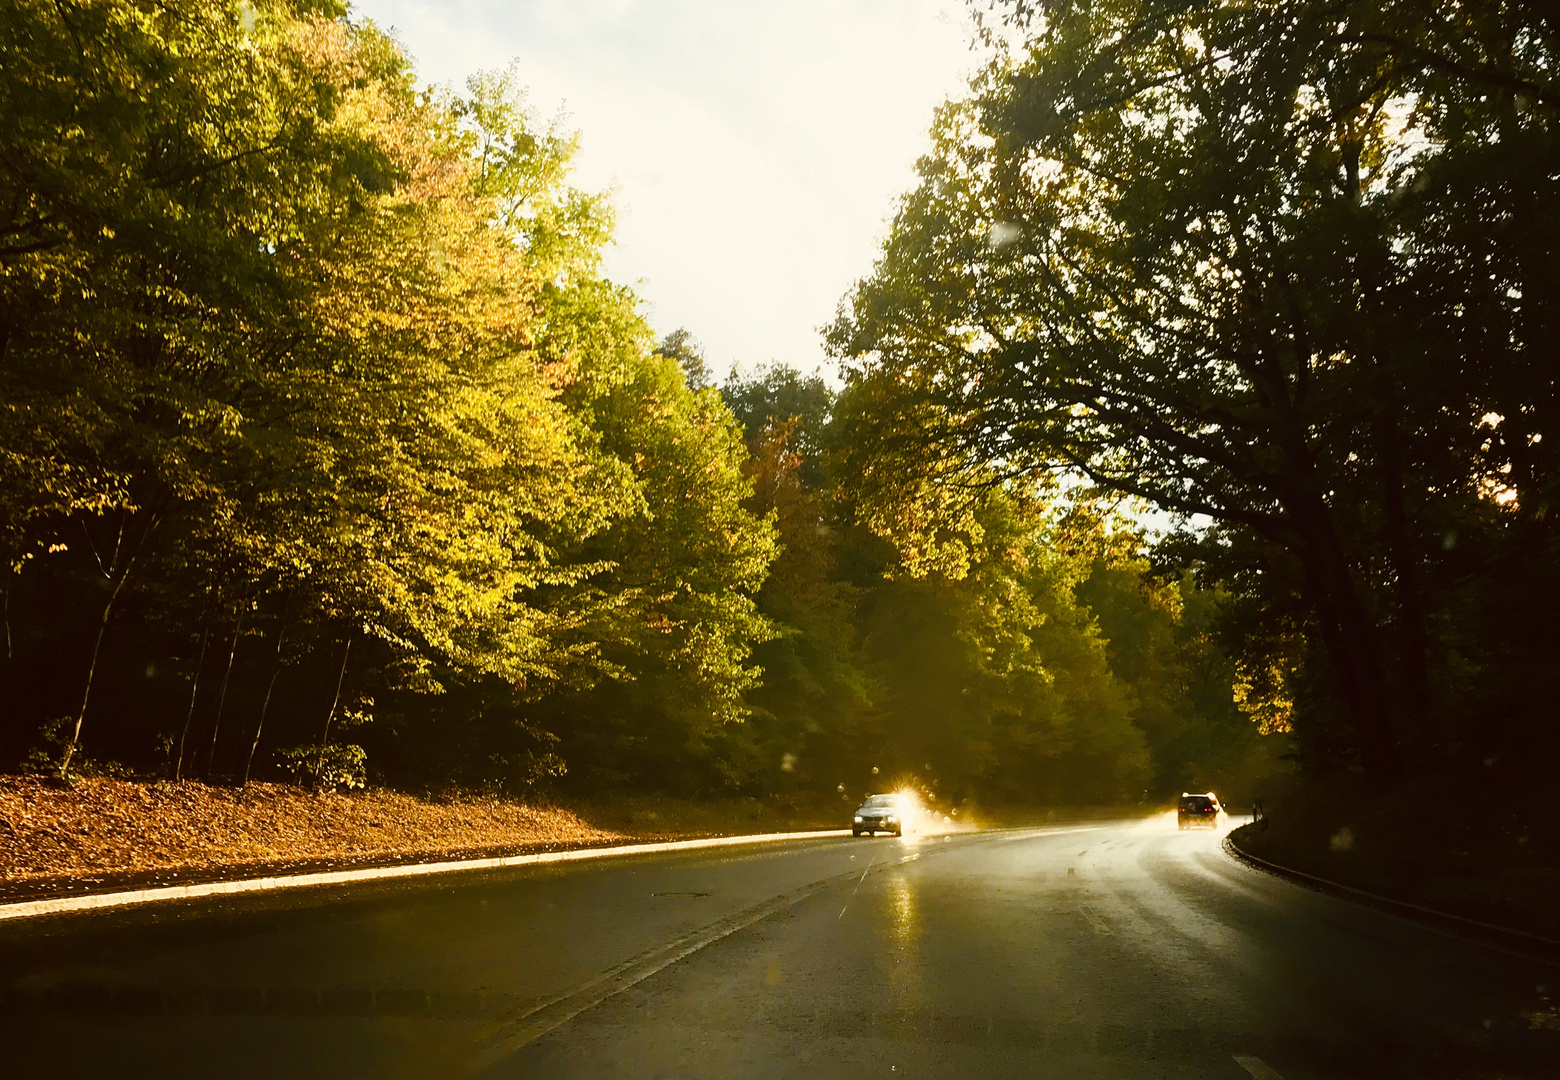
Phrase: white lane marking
x=1258 y=1068
x=29 y=908
x=526 y=1026
x=1099 y=924
x=853 y=892
x=868 y=870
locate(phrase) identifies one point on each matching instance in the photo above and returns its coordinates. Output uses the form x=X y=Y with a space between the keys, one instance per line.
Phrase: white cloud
x=756 y=148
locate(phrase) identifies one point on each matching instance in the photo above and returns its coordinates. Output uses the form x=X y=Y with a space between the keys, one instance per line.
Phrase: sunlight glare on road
x=928 y=820
x=931 y=823
x=1162 y=822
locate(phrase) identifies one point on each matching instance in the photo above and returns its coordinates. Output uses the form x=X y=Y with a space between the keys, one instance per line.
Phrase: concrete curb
x=1507 y=940
x=59 y=905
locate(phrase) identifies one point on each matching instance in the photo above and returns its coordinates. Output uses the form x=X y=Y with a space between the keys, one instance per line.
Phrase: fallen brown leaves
x=117 y=826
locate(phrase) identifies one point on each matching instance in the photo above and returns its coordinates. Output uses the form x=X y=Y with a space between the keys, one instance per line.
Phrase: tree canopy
x=328 y=450
x=1285 y=271
x=295 y=348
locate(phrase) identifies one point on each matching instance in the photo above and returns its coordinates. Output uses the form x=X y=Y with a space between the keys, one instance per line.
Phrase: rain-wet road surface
x=1119 y=950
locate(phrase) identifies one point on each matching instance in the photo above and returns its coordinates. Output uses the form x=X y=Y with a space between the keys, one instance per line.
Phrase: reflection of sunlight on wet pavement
x=904 y=909
x=1164 y=822
x=933 y=823
x=904 y=974
x=930 y=823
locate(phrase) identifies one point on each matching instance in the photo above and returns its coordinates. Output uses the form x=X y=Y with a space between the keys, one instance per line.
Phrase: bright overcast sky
x=756 y=147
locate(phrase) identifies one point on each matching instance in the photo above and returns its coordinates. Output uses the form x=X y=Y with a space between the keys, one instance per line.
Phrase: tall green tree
x=270 y=331
x=980 y=677
x=677 y=620
x=666 y=619
x=813 y=703
x=997 y=680
x=1246 y=262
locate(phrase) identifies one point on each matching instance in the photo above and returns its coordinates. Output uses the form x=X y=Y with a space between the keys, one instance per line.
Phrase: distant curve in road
x=1119 y=950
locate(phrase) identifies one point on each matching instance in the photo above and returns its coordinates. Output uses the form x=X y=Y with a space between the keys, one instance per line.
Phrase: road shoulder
x=93 y=901
x=1518 y=942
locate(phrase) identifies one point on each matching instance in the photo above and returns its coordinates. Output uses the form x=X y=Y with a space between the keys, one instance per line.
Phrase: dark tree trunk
x=5 y=618
x=1412 y=641
x=1350 y=640
x=1347 y=629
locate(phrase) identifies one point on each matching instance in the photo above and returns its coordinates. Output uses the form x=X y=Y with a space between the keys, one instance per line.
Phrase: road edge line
x=1505 y=938
x=63 y=904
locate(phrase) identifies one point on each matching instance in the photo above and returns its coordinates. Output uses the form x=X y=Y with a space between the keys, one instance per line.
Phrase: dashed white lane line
x=1099 y=924
x=857 y=889
x=868 y=870
x=1258 y=1068
x=532 y=1023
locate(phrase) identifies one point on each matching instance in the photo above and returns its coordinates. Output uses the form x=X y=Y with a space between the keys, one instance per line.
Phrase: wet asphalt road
x=1121 y=950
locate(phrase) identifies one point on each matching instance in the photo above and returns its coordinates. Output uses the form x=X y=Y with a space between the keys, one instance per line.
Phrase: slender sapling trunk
x=216 y=724
x=178 y=765
x=265 y=707
x=117 y=575
x=325 y=738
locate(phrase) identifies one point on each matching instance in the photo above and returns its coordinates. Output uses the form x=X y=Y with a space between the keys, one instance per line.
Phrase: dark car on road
x=1199 y=811
x=883 y=813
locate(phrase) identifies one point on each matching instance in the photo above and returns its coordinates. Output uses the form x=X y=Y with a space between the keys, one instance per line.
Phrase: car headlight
x=891 y=819
x=858 y=819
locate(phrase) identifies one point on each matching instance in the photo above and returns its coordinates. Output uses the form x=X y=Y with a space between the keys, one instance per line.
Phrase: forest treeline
x=328 y=451
x=1286 y=270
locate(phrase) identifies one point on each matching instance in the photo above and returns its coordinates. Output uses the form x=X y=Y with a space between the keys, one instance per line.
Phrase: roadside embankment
x=1452 y=852
x=105 y=835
